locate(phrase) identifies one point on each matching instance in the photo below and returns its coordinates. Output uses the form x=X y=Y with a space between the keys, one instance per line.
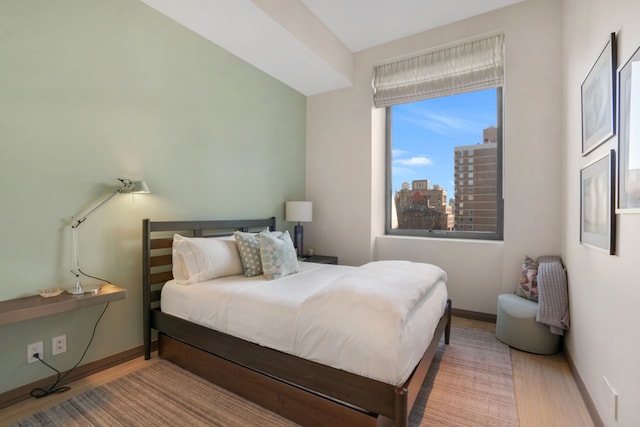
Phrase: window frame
x=447 y=234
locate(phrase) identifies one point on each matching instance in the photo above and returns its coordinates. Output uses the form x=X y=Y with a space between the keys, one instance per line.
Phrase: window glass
x=433 y=145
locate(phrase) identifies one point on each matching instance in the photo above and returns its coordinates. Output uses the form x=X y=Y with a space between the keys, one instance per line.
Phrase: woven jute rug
x=470 y=384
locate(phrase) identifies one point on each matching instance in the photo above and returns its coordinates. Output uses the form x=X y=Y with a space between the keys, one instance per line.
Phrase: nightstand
x=320 y=259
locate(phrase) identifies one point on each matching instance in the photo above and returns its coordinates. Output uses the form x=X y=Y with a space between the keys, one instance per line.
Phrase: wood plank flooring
x=546 y=392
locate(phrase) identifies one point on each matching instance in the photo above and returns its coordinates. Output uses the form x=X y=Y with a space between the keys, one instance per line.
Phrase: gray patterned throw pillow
x=249 y=248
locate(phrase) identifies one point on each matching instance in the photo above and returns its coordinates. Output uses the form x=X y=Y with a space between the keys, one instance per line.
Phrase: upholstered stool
x=516 y=326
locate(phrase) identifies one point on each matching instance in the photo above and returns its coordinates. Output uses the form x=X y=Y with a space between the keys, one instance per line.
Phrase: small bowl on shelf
x=51 y=292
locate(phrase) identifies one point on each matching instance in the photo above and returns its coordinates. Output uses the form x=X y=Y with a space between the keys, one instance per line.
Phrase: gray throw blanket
x=553 y=296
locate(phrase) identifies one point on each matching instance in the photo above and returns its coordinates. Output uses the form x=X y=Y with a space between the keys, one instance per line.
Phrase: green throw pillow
x=278 y=255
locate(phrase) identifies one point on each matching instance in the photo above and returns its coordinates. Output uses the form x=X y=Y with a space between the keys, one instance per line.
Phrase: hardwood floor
x=546 y=392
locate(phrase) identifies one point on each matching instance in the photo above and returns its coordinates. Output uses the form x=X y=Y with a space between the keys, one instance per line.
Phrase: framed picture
x=597 y=216
x=598 y=99
x=629 y=136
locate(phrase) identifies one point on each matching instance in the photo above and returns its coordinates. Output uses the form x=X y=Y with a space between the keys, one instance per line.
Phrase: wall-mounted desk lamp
x=128 y=186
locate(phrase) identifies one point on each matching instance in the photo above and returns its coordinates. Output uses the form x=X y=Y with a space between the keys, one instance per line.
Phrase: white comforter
x=370 y=319
x=376 y=320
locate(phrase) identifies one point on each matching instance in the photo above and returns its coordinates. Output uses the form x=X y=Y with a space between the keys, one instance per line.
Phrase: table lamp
x=128 y=186
x=298 y=212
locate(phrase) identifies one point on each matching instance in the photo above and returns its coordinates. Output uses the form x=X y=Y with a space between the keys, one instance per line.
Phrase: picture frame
x=597 y=216
x=629 y=136
x=598 y=99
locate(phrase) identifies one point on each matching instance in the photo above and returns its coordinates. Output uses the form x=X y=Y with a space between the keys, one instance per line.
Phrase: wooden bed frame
x=303 y=391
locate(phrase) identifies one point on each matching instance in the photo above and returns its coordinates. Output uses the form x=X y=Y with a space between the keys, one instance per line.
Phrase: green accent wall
x=91 y=91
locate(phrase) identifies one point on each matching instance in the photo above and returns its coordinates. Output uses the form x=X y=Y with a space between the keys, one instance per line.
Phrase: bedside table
x=320 y=259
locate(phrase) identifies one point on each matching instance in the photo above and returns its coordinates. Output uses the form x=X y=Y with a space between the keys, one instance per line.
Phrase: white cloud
x=397 y=152
x=414 y=161
x=436 y=122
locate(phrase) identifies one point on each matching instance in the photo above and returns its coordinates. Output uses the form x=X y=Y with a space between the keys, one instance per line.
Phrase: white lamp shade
x=298 y=211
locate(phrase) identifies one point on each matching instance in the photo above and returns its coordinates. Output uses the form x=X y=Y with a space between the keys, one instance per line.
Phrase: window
x=443 y=145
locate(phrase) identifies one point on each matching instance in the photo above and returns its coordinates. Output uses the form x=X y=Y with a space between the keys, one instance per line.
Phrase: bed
x=299 y=387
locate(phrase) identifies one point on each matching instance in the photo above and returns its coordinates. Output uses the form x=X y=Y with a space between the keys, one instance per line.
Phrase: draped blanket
x=371 y=316
x=392 y=287
x=553 y=297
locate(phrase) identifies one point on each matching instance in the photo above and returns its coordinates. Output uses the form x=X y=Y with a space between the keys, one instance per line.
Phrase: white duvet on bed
x=292 y=315
x=376 y=321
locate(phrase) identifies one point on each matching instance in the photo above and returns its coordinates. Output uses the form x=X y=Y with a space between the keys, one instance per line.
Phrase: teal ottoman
x=516 y=326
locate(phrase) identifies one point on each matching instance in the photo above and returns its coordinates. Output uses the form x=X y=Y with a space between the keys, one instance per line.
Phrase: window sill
x=448 y=240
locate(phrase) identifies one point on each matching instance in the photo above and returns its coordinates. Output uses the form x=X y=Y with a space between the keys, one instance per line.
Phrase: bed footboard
x=286 y=384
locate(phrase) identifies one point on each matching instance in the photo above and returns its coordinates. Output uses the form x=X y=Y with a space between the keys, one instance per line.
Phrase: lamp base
x=83 y=290
x=298 y=232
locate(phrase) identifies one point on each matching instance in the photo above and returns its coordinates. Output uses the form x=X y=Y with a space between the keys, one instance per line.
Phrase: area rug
x=469 y=384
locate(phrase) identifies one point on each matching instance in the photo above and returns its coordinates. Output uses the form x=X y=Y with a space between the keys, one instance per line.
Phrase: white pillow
x=278 y=255
x=196 y=259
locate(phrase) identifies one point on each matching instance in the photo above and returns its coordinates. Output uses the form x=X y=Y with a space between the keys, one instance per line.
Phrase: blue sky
x=425 y=132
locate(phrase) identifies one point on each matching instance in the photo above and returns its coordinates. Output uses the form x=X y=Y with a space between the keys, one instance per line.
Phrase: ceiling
x=309 y=44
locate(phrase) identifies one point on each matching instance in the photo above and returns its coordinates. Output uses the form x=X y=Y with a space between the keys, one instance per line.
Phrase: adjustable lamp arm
x=128 y=186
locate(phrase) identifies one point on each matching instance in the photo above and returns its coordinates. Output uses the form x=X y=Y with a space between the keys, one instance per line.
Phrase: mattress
x=267 y=312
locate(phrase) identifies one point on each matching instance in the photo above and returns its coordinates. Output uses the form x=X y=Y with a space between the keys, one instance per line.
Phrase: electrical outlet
x=35 y=348
x=58 y=345
x=612 y=399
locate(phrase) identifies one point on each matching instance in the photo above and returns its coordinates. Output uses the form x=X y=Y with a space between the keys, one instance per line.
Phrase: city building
x=419 y=206
x=475 y=181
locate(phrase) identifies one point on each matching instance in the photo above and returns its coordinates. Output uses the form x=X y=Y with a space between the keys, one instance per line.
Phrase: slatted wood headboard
x=157 y=240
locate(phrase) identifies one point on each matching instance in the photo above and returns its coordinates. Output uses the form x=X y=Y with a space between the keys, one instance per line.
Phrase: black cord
x=41 y=392
x=94 y=277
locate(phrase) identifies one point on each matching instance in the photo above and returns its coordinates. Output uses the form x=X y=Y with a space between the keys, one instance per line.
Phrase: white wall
x=604 y=290
x=346 y=152
x=550 y=47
